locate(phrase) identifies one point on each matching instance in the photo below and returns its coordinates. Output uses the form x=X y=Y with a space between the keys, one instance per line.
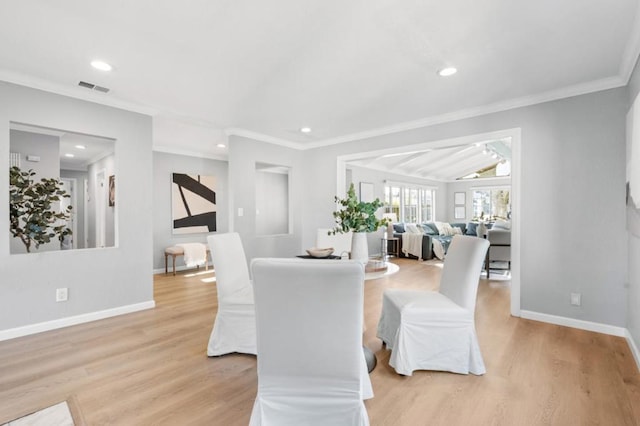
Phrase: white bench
x=175 y=251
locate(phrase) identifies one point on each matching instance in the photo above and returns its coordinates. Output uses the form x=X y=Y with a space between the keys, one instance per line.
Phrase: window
x=426 y=207
x=392 y=200
x=492 y=203
x=412 y=204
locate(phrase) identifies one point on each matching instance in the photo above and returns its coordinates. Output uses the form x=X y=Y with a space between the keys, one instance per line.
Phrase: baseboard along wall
x=586 y=325
x=26 y=330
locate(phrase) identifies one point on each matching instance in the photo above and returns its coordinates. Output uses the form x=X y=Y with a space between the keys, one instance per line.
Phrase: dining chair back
x=234 y=328
x=309 y=316
x=435 y=330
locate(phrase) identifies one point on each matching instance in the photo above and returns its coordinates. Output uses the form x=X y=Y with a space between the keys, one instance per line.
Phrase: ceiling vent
x=92 y=86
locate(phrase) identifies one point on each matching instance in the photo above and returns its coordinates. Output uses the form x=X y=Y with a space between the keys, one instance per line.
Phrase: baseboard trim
x=170 y=271
x=575 y=323
x=181 y=268
x=26 y=330
x=634 y=347
x=586 y=325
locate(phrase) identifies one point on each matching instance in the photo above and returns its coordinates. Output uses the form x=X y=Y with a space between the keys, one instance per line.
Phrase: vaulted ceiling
x=346 y=69
x=443 y=164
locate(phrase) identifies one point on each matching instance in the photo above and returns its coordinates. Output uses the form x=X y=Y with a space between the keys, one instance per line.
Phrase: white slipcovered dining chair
x=311 y=367
x=341 y=243
x=435 y=330
x=234 y=328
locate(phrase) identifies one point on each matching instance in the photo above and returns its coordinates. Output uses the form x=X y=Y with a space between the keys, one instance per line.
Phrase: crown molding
x=74 y=92
x=566 y=92
x=632 y=50
x=236 y=131
x=187 y=153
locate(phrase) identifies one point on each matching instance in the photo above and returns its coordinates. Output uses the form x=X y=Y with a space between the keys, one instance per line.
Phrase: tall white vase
x=359 y=247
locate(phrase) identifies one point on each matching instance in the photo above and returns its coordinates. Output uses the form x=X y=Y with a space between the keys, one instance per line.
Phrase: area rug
x=56 y=415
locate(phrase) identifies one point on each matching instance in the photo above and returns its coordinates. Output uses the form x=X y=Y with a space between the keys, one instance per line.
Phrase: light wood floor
x=151 y=368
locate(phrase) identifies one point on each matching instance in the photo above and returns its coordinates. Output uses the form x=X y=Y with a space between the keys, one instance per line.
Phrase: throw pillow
x=412 y=228
x=448 y=229
x=428 y=230
x=440 y=226
x=457 y=231
x=471 y=229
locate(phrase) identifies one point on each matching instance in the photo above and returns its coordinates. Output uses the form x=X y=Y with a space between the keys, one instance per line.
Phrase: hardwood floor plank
x=151 y=368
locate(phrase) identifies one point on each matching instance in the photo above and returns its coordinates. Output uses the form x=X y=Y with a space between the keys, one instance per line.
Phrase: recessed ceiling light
x=305 y=129
x=69 y=155
x=101 y=65
x=81 y=147
x=221 y=145
x=446 y=72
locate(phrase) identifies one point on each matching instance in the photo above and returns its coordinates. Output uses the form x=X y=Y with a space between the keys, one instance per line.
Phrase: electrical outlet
x=576 y=299
x=62 y=294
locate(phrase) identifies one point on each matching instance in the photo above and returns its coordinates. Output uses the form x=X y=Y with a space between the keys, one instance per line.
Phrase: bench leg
x=174 y=264
x=166 y=268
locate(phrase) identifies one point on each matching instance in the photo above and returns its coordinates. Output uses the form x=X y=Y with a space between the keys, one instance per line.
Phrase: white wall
x=163 y=166
x=633 y=300
x=272 y=203
x=244 y=153
x=113 y=279
x=572 y=185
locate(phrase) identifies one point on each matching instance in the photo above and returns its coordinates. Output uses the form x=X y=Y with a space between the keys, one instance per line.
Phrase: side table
x=390 y=246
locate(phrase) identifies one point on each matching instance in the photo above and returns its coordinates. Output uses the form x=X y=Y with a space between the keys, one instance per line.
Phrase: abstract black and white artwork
x=193 y=203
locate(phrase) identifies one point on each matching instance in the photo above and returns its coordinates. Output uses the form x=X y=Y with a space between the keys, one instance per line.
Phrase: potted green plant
x=31 y=214
x=360 y=218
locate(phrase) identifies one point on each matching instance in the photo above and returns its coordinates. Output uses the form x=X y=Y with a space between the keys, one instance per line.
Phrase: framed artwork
x=193 y=203
x=459 y=212
x=459 y=198
x=366 y=192
x=112 y=190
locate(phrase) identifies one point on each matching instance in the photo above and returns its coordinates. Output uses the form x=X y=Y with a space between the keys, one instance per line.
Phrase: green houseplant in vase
x=360 y=218
x=33 y=216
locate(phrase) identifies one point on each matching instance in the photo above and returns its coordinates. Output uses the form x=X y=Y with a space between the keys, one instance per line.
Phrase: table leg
x=370 y=357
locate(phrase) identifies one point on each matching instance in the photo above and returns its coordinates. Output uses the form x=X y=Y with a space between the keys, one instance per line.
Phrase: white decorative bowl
x=320 y=252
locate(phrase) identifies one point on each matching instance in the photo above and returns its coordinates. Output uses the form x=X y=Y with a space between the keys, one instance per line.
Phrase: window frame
x=492 y=214
x=410 y=213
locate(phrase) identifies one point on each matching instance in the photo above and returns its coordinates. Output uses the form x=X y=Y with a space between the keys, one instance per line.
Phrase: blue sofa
x=430 y=232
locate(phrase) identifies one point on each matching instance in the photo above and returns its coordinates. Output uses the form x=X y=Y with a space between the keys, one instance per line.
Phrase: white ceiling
x=94 y=148
x=344 y=68
x=442 y=164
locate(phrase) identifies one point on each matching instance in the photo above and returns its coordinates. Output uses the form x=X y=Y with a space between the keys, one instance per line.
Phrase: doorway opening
x=464 y=142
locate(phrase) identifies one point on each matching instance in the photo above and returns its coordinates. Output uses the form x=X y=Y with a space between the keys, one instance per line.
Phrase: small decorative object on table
x=320 y=252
